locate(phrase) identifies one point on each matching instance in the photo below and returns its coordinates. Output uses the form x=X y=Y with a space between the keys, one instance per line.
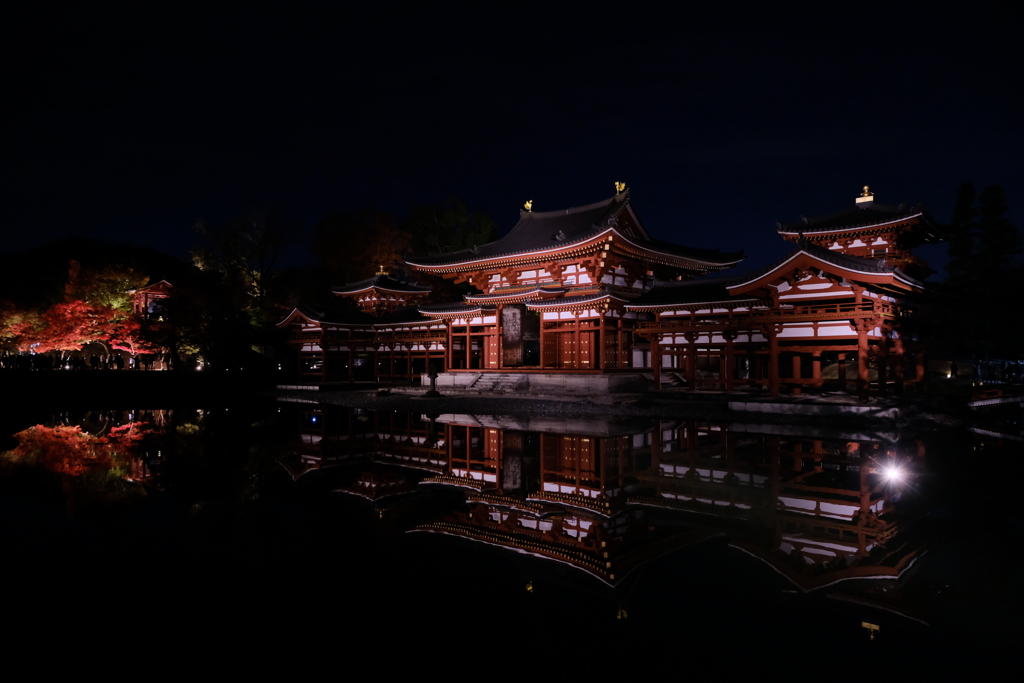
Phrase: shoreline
x=888 y=413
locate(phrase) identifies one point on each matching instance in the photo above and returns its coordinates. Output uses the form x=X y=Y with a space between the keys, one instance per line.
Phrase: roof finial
x=867 y=192
x=381 y=271
x=619 y=187
x=866 y=197
x=528 y=205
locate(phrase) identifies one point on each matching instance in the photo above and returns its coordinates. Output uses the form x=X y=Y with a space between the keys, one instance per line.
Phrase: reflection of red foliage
x=69 y=450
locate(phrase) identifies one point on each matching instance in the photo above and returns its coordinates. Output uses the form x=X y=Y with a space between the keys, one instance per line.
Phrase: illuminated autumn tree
x=104 y=286
x=68 y=327
x=16 y=325
x=127 y=334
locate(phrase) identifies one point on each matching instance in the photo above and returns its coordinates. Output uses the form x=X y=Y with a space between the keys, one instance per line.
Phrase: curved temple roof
x=688 y=293
x=382 y=282
x=862 y=217
x=456 y=309
x=853 y=264
x=540 y=231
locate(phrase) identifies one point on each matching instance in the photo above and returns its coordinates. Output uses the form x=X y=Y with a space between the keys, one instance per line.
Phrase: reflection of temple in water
x=605 y=497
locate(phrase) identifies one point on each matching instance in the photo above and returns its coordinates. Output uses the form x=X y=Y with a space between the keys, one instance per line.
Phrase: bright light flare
x=893 y=474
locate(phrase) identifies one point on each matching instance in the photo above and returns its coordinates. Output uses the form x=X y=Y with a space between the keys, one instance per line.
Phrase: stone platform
x=542 y=382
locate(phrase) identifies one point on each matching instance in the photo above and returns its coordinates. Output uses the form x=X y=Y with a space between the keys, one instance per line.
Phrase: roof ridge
x=695 y=282
x=900 y=210
x=578 y=209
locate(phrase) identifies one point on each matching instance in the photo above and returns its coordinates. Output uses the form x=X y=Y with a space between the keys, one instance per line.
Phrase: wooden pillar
x=773 y=361
x=601 y=341
x=797 y=358
x=728 y=369
x=919 y=366
x=841 y=369
x=577 y=361
x=656 y=360
x=883 y=365
x=448 y=359
x=862 y=360
x=691 y=361
x=816 y=368
x=498 y=320
x=752 y=368
x=323 y=355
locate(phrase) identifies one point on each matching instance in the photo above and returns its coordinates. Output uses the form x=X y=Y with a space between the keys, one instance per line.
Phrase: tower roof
x=865 y=216
x=382 y=282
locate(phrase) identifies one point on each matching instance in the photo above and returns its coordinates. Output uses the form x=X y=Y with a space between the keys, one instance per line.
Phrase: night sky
x=131 y=123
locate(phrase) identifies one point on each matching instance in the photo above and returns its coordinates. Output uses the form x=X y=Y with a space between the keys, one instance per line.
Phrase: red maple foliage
x=68 y=326
x=68 y=450
x=71 y=325
x=127 y=335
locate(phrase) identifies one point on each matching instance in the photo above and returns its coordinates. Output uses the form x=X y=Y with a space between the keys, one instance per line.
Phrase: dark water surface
x=605 y=540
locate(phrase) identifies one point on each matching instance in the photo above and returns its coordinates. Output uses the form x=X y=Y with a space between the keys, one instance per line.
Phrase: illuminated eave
x=296 y=313
x=731 y=303
x=764 y=279
x=469 y=311
x=879 y=227
x=374 y=288
x=559 y=305
x=609 y=237
x=517 y=297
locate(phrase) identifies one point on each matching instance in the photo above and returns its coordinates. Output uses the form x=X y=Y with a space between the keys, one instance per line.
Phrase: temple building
x=585 y=299
x=147 y=301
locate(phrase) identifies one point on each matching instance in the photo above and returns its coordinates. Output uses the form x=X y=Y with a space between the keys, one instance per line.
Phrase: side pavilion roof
x=698 y=292
x=808 y=255
x=551 y=231
x=864 y=216
x=381 y=282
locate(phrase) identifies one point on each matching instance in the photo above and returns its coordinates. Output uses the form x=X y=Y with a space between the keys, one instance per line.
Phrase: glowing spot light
x=893 y=473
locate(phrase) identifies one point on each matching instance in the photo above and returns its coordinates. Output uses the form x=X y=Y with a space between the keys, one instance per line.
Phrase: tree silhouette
x=448 y=227
x=961 y=238
x=979 y=319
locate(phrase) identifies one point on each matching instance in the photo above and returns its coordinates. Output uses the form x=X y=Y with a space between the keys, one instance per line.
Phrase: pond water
x=661 y=535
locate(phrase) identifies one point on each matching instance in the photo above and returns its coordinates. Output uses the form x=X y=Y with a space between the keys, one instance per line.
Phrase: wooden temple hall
x=587 y=299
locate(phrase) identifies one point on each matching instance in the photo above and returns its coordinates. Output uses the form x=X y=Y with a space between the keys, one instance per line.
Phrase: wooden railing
x=846 y=311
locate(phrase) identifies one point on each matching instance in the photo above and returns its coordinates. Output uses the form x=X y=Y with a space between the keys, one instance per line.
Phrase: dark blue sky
x=131 y=124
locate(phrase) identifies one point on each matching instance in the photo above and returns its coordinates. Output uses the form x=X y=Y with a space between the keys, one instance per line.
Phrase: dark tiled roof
x=869 y=265
x=862 y=216
x=863 y=265
x=335 y=314
x=454 y=307
x=539 y=230
x=686 y=292
x=406 y=314
x=382 y=282
x=570 y=300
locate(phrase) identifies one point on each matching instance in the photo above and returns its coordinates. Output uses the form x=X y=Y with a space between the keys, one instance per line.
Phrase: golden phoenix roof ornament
x=528 y=205
x=619 y=187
